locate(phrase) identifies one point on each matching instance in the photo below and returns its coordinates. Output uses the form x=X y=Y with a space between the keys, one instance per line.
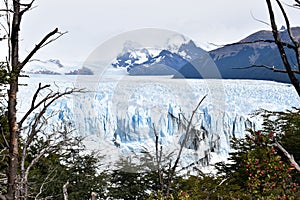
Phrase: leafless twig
x=158 y=160
x=187 y=133
x=267 y=67
x=261 y=21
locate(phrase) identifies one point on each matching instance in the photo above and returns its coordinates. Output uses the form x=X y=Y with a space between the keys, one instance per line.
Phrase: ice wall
x=118 y=116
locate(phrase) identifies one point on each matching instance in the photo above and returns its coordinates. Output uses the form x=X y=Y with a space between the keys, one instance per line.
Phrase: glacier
x=119 y=114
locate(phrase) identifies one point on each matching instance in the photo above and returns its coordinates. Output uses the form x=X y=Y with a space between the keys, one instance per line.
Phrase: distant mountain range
x=184 y=59
x=234 y=61
x=55 y=67
x=228 y=62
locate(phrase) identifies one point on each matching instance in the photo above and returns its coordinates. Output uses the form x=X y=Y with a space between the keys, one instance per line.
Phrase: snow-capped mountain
x=55 y=67
x=187 y=60
x=159 y=61
x=120 y=116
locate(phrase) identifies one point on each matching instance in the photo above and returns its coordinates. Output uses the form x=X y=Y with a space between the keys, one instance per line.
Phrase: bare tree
x=13 y=12
x=290 y=68
x=166 y=187
x=56 y=138
x=280 y=44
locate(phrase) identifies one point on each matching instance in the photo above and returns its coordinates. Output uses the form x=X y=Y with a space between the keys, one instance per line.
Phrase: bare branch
x=33 y=106
x=6 y=10
x=290 y=46
x=280 y=46
x=65 y=190
x=261 y=21
x=36 y=159
x=172 y=170
x=8 y=22
x=27 y=7
x=37 y=47
x=158 y=160
x=53 y=140
x=60 y=34
x=289 y=30
x=289 y=156
x=47 y=101
x=3 y=137
x=267 y=67
x=44 y=183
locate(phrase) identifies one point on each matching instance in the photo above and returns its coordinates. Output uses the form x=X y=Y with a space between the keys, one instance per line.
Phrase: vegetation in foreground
x=257 y=170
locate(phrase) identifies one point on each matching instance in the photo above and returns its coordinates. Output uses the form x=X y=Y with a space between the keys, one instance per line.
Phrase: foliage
x=128 y=185
x=47 y=177
x=269 y=175
x=286 y=126
x=132 y=181
x=198 y=187
x=3 y=151
x=181 y=195
x=263 y=173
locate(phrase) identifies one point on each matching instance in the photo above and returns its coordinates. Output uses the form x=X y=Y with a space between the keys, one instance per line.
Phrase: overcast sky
x=91 y=22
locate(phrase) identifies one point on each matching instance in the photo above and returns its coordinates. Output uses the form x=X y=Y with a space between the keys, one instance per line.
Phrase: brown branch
x=36 y=48
x=267 y=67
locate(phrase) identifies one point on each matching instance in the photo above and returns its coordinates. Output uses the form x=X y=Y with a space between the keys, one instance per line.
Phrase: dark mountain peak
x=282 y=28
x=191 y=51
x=231 y=59
x=260 y=35
x=164 y=53
x=190 y=43
x=267 y=35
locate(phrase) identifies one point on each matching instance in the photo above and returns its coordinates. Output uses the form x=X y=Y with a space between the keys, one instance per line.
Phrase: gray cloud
x=91 y=22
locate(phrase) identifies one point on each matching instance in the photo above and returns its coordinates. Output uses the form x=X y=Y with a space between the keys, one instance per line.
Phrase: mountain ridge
x=238 y=61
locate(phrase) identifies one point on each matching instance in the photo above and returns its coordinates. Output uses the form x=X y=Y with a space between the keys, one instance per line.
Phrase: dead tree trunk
x=12 y=103
x=14 y=67
x=290 y=68
x=280 y=46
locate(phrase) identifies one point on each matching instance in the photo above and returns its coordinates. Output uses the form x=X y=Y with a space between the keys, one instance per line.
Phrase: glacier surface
x=120 y=114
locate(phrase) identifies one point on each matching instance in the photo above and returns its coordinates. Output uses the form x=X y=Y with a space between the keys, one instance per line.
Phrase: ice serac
x=122 y=114
x=128 y=112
